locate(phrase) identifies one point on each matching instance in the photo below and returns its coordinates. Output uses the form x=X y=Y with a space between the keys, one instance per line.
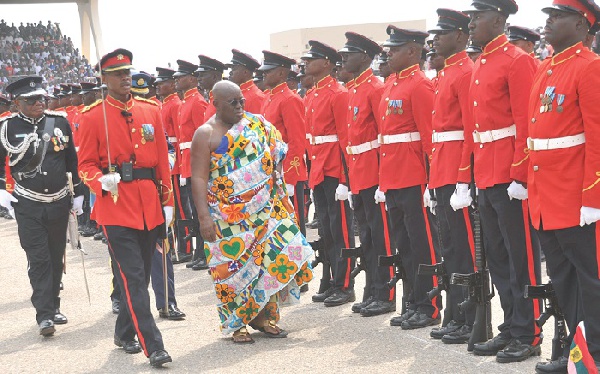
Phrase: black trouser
x=513 y=257
x=414 y=242
x=131 y=251
x=116 y=290
x=573 y=264
x=298 y=203
x=375 y=241
x=336 y=220
x=158 y=284
x=42 y=231
x=183 y=210
x=457 y=250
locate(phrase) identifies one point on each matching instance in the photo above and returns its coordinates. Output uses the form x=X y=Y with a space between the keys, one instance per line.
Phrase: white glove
x=341 y=192
x=588 y=216
x=517 y=191
x=168 y=215
x=351 y=200
x=290 y=189
x=78 y=205
x=427 y=202
x=6 y=199
x=461 y=198
x=379 y=196
x=110 y=182
x=182 y=181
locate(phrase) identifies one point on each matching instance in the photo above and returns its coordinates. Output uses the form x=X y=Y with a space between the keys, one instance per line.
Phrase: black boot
x=59 y=318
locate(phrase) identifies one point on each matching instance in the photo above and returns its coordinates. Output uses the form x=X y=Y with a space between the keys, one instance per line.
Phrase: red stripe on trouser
x=436 y=310
x=531 y=270
x=128 y=296
x=470 y=237
x=346 y=242
x=177 y=192
x=388 y=247
x=598 y=247
x=296 y=208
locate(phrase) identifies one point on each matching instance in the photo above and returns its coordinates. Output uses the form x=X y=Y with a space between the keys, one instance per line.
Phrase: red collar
x=325 y=82
x=363 y=77
x=410 y=71
x=279 y=88
x=246 y=86
x=567 y=54
x=170 y=97
x=119 y=104
x=189 y=93
x=456 y=58
x=499 y=42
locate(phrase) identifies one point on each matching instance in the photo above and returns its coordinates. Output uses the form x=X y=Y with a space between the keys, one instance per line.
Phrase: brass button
x=533 y=120
x=480 y=145
x=549 y=72
x=384 y=155
x=133 y=129
x=136 y=146
x=477 y=125
x=45 y=190
x=483 y=61
x=387 y=99
x=433 y=112
x=475 y=103
x=432 y=150
x=314 y=157
x=536 y=168
x=477 y=82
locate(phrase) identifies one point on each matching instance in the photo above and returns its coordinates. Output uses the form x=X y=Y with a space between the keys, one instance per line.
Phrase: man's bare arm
x=200 y=175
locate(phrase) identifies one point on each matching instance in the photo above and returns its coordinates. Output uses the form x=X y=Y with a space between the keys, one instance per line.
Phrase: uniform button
x=314 y=157
x=477 y=82
x=578 y=51
x=505 y=49
x=349 y=107
x=476 y=125
x=533 y=120
x=316 y=94
x=387 y=99
x=475 y=103
x=136 y=146
x=383 y=117
x=480 y=145
x=45 y=190
x=549 y=72
x=437 y=92
x=45 y=173
x=541 y=96
x=384 y=155
x=312 y=110
x=133 y=130
x=433 y=112
x=442 y=74
x=354 y=90
x=395 y=83
x=432 y=149
x=536 y=168
x=369 y=81
x=353 y=159
x=483 y=61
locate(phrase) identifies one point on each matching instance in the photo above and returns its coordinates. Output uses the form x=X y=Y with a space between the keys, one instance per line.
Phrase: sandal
x=242 y=336
x=281 y=333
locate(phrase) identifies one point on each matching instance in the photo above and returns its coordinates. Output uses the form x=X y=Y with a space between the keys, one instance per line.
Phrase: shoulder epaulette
x=87 y=108
x=54 y=113
x=3 y=119
x=145 y=100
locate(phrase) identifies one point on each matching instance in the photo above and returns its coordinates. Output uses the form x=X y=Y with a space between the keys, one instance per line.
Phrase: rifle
x=321 y=258
x=399 y=273
x=360 y=265
x=551 y=308
x=479 y=285
x=438 y=270
x=193 y=227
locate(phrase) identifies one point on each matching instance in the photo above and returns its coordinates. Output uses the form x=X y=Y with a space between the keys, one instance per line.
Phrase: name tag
x=21 y=135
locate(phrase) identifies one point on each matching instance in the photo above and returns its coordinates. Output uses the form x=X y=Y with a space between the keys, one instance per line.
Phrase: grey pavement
x=321 y=339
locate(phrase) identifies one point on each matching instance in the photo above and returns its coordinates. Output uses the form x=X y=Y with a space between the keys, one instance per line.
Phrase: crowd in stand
x=38 y=49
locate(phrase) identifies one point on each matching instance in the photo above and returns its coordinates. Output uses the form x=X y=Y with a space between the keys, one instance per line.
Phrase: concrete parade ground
x=321 y=340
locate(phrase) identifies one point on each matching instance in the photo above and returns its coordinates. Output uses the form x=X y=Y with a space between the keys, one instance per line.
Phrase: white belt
x=316 y=140
x=400 y=138
x=41 y=197
x=493 y=135
x=362 y=148
x=173 y=139
x=447 y=136
x=185 y=145
x=555 y=143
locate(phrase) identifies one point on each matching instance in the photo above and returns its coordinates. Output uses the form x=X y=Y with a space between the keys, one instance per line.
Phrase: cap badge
x=140 y=82
x=32 y=84
x=120 y=57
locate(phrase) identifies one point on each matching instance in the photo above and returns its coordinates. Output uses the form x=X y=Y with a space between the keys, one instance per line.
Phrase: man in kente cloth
x=257 y=255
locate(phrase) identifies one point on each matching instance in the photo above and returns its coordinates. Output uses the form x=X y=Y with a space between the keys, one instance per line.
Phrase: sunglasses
x=34 y=99
x=235 y=102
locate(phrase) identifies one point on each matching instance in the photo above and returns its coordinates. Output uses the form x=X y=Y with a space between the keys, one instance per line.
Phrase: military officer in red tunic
x=327 y=129
x=451 y=110
x=525 y=39
x=364 y=96
x=124 y=161
x=564 y=196
x=284 y=109
x=241 y=71
x=500 y=85
x=405 y=141
x=191 y=116
x=210 y=71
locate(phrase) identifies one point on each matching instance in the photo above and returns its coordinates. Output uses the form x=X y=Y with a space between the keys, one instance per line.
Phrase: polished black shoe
x=59 y=318
x=439 y=332
x=190 y=264
x=47 y=328
x=418 y=321
x=340 y=297
x=459 y=336
x=552 y=367
x=397 y=320
x=313 y=224
x=304 y=288
x=99 y=235
x=183 y=257
x=363 y=304
x=174 y=314
x=491 y=347
x=129 y=346
x=200 y=265
x=378 y=307
x=159 y=358
x=321 y=297
x=516 y=351
x=116 y=304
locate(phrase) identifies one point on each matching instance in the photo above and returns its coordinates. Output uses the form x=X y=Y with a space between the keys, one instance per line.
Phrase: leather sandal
x=242 y=336
x=281 y=333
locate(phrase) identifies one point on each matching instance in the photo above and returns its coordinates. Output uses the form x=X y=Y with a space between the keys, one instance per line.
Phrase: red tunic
x=191 y=116
x=451 y=110
x=405 y=107
x=364 y=96
x=255 y=98
x=210 y=110
x=326 y=107
x=284 y=109
x=138 y=204
x=169 y=111
x=500 y=87
x=561 y=181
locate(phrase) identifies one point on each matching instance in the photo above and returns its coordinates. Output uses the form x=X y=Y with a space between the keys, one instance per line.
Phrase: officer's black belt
x=138 y=173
